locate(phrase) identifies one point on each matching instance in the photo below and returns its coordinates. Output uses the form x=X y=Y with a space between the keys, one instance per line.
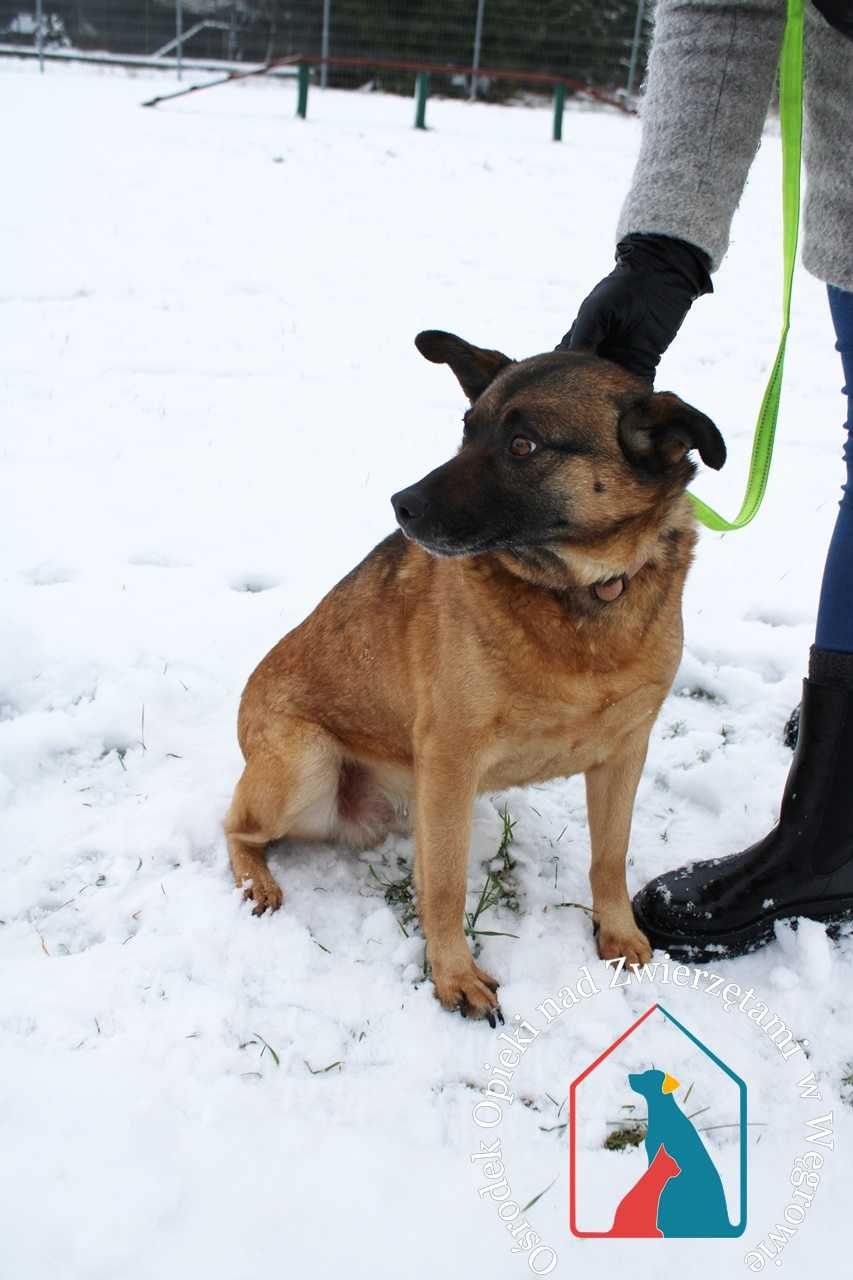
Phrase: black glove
x=633 y=314
x=838 y=13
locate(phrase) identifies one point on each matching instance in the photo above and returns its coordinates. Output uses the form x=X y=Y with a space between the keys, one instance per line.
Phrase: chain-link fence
x=602 y=45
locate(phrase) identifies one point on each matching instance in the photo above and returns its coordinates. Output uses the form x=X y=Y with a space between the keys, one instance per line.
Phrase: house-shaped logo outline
x=739 y=1227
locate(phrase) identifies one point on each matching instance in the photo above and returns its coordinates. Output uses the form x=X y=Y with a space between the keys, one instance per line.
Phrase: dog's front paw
x=470 y=990
x=264 y=891
x=615 y=940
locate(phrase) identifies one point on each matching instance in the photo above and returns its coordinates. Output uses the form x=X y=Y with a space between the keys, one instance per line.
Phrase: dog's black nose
x=408 y=506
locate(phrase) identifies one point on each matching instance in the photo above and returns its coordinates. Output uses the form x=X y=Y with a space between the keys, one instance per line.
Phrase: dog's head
x=652 y=1084
x=559 y=451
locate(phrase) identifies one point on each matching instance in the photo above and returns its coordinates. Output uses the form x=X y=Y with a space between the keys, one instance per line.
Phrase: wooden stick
x=226 y=79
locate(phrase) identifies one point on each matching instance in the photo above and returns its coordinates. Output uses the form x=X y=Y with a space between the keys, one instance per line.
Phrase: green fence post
x=302 y=94
x=559 y=104
x=421 y=93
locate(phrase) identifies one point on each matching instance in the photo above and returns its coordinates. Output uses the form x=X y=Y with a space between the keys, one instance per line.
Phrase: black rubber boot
x=792 y=729
x=804 y=867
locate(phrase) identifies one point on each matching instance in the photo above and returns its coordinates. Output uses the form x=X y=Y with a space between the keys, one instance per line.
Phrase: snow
x=210 y=392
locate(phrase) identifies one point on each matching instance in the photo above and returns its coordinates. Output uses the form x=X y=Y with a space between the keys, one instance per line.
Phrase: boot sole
x=740 y=942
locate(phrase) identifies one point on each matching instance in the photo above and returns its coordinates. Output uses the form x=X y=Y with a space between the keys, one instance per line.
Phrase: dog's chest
x=535 y=740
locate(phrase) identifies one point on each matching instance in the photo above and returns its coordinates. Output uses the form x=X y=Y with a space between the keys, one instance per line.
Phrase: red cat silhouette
x=637 y=1213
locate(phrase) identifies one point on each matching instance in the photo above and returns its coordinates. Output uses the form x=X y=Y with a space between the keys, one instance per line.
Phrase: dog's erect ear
x=658 y=429
x=474 y=367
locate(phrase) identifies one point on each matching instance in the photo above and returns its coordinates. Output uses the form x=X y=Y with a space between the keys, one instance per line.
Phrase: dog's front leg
x=445 y=787
x=611 y=788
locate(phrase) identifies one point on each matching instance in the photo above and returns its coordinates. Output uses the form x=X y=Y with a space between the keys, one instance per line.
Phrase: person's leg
x=804 y=866
x=835 y=613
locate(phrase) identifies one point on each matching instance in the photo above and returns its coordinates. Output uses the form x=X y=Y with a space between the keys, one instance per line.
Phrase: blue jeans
x=835 y=612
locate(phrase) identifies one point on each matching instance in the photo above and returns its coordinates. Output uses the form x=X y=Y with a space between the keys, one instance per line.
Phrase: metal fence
x=600 y=44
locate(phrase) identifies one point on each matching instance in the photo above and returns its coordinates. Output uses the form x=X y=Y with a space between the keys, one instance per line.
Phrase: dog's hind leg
x=611 y=788
x=289 y=786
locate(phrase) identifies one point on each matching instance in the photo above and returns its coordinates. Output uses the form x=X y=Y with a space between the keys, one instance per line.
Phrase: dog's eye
x=521 y=447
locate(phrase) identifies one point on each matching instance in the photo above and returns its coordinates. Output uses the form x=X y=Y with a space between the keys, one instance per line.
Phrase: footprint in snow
x=254 y=584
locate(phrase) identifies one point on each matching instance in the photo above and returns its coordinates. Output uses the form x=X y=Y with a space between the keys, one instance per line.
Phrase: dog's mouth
x=448 y=546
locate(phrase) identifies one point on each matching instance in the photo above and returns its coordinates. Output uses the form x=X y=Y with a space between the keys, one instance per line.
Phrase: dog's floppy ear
x=474 y=367
x=657 y=430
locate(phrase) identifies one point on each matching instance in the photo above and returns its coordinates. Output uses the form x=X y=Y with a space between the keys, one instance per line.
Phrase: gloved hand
x=633 y=314
x=839 y=14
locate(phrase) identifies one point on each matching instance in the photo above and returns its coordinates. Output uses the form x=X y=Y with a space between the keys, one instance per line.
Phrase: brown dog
x=524 y=625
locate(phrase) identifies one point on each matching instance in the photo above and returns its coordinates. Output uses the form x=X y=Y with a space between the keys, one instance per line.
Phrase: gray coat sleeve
x=710 y=80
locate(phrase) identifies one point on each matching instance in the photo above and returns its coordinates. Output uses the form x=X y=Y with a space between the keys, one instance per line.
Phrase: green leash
x=791 y=122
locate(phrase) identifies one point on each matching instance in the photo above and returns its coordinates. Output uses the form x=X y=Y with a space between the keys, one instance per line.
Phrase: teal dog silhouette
x=693 y=1203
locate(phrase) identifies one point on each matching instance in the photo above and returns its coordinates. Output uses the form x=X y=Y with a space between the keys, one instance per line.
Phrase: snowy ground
x=210 y=391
